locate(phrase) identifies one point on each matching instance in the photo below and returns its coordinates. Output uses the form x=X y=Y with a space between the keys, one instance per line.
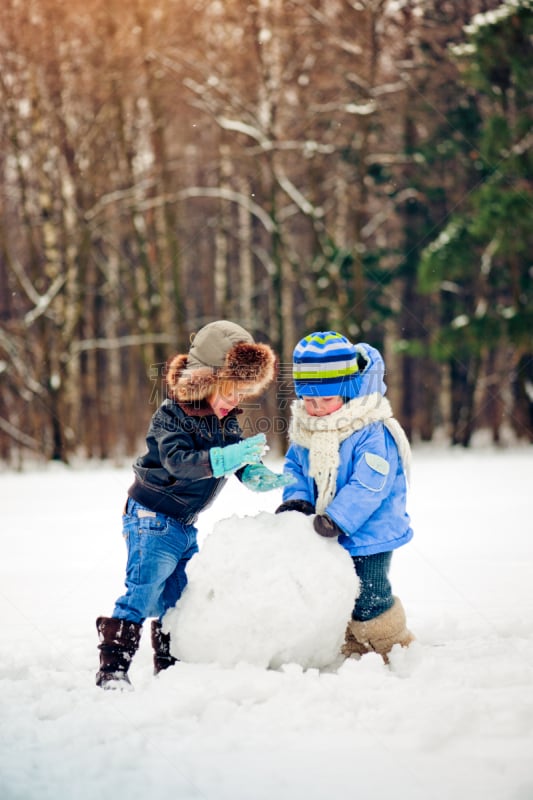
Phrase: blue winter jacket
x=370 y=502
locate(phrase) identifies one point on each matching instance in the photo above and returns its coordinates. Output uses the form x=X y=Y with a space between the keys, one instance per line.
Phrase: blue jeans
x=159 y=548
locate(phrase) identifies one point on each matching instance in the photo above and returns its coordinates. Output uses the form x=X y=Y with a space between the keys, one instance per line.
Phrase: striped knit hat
x=325 y=365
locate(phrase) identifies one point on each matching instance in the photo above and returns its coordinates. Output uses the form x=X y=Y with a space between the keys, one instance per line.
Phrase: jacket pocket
x=372 y=471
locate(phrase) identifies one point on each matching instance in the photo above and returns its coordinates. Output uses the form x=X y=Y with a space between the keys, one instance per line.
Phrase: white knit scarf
x=322 y=436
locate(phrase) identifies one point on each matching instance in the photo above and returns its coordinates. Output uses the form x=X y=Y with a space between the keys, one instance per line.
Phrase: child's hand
x=260 y=479
x=226 y=460
x=325 y=526
x=303 y=506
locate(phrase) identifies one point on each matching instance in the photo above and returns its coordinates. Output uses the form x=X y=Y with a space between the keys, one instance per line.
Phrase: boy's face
x=322 y=406
x=226 y=397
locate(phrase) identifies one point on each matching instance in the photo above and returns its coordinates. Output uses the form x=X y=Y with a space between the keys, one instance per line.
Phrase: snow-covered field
x=452 y=717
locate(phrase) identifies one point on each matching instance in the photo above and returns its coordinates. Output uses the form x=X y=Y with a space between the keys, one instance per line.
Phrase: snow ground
x=451 y=717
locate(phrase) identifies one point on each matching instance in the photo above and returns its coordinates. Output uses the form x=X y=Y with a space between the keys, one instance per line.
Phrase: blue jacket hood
x=372 y=370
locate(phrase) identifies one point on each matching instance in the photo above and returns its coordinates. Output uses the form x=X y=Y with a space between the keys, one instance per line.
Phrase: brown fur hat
x=220 y=351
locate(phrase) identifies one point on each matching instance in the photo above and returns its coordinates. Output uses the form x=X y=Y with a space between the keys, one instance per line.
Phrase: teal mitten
x=260 y=479
x=226 y=460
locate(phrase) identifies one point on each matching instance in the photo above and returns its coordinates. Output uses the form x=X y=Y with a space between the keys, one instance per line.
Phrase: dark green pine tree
x=480 y=263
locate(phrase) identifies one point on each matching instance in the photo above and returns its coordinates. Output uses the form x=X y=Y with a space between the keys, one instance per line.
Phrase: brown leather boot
x=161 y=645
x=378 y=635
x=119 y=641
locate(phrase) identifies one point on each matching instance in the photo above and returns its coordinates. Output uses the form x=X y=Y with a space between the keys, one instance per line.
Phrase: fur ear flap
x=189 y=385
x=175 y=367
x=250 y=364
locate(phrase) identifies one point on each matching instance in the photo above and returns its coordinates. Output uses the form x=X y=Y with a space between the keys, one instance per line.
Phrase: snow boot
x=378 y=635
x=161 y=645
x=119 y=641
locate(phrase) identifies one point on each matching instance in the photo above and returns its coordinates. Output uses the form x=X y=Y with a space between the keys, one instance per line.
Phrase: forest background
x=293 y=165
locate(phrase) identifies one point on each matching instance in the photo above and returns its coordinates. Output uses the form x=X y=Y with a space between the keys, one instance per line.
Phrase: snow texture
x=451 y=717
x=265 y=590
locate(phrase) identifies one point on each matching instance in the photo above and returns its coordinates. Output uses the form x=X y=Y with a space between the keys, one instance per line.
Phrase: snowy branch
x=487 y=255
x=193 y=191
x=520 y=147
x=387 y=88
x=121 y=341
x=117 y=197
x=12 y=348
x=44 y=300
x=248 y=130
x=18 y=436
x=25 y=282
x=41 y=301
x=381 y=216
x=297 y=197
x=235 y=197
x=361 y=109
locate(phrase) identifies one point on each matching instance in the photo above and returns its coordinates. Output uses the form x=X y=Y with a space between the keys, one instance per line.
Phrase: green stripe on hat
x=302 y=373
x=315 y=337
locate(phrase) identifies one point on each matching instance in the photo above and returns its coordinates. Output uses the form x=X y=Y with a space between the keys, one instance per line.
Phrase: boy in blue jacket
x=349 y=460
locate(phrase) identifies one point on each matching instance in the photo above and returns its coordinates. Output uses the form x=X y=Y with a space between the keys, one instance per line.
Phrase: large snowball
x=266 y=590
